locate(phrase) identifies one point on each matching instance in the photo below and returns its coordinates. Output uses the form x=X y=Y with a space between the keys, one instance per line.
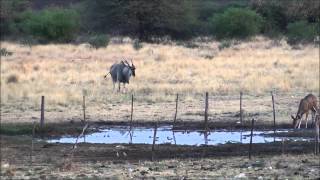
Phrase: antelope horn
x=126 y=61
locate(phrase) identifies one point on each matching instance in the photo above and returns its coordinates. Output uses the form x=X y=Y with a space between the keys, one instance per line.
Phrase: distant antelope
x=121 y=72
x=308 y=103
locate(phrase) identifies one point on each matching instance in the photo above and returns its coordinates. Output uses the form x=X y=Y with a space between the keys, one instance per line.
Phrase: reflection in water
x=165 y=135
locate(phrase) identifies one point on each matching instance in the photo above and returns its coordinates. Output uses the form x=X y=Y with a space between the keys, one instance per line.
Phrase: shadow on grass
x=52 y=129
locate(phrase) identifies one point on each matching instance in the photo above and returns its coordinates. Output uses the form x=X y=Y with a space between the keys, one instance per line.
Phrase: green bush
x=10 y=10
x=302 y=31
x=51 y=24
x=137 y=45
x=98 y=41
x=236 y=23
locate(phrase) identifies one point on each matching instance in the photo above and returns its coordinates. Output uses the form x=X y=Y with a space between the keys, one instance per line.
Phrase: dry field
x=66 y=72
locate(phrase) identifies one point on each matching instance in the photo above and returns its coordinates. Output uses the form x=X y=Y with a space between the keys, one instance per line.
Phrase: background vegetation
x=156 y=20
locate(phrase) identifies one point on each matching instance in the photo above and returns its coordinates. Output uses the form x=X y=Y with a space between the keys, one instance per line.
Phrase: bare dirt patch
x=171 y=162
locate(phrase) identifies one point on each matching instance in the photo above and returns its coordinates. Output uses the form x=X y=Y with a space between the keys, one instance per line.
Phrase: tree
x=143 y=19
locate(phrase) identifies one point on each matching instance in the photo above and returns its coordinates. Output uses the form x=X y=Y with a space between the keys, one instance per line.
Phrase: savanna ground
x=64 y=73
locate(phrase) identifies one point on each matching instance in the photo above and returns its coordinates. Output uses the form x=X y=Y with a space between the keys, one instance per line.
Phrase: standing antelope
x=121 y=73
x=306 y=104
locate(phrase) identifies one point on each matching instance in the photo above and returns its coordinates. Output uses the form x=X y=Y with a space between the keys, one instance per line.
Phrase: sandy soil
x=119 y=161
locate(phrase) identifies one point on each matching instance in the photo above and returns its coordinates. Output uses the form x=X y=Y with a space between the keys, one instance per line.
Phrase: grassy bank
x=48 y=129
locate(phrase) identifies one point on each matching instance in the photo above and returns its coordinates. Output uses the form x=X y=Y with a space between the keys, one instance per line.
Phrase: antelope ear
x=293 y=117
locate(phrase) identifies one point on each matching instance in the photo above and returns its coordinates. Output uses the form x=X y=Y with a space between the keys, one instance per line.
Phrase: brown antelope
x=308 y=103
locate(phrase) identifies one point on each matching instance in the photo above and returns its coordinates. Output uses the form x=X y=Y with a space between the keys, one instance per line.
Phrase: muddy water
x=165 y=135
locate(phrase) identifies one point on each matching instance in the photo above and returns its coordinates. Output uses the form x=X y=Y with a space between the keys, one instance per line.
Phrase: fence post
x=42 y=112
x=32 y=142
x=241 y=107
x=206 y=111
x=250 y=147
x=274 y=117
x=154 y=140
x=316 y=141
x=131 y=117
x=282 y=146
x=175 y=115
x=84 y=108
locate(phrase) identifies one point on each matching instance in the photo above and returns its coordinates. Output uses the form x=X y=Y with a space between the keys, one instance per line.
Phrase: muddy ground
x=293 y=160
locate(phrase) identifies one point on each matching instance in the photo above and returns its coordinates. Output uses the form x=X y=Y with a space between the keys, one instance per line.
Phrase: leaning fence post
x=274 y=116
x=175 y=115
x=241 y=107
x=154 y=140
x=42 y=112
x=206 y=111
x=250 y=147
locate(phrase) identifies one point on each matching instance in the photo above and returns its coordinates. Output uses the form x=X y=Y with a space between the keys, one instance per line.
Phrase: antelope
x=308 y=103
x=121 y=73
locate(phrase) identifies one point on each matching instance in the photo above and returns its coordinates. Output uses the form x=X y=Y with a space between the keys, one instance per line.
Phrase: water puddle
x=165 y=135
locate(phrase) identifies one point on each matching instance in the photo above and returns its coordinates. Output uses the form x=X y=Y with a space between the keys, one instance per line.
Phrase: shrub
x=98 y=41
x=137 y=45
x=10 y=10
x=302 y=31
x=236 y=23
x=12 y=79
x=51 y=24
x=5 y=52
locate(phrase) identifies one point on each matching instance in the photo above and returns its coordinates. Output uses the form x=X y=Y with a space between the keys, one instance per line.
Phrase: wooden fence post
x=241 y=108
x=131 y=117
x=175 y=115
x=206 y=111
x=274 y=117
x=283 y=146
x=84 y=108
x=250 y=146
x=42 y=112
x=32 y=142
x=154 y=140
x=316 y=140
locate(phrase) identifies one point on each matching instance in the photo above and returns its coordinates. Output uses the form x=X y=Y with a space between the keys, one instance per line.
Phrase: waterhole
x=165 y=135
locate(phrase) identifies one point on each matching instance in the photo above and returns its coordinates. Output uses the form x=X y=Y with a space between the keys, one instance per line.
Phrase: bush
x=137 y=45
x=5 y=52
x=98 y=41
x=10 y=11
x=12 y=79
x=302 y=31
x=236 y=23
x=51 y=24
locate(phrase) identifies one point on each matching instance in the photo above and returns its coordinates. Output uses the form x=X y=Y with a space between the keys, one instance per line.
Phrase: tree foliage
x=236 y=23
x=144 y=19
x=10 y=12
x=51 y=24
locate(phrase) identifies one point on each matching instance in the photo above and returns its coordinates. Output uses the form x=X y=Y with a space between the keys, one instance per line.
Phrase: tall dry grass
x=63 y=73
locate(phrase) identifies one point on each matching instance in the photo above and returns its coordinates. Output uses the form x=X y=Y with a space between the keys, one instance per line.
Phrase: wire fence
x=152 y=108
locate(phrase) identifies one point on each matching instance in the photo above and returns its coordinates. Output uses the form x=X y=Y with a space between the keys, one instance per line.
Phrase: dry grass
x=63 y=73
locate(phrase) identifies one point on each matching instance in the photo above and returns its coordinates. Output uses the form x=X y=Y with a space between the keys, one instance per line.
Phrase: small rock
x=241 y=175
x=143 y=172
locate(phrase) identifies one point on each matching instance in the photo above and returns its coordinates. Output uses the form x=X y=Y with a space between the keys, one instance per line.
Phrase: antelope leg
x=307 y=120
